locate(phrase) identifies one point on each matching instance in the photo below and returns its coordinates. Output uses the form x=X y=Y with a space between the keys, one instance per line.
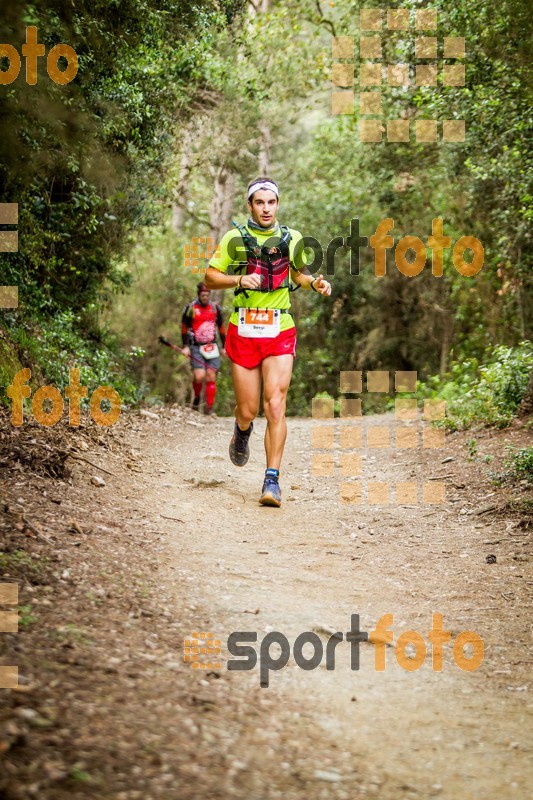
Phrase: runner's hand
x=186 y=351
x=322 y=286
x=252 y=281
x=222 y=351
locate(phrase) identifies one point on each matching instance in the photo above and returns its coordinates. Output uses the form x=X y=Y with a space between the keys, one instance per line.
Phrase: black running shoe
x=239 y=449
x=196 y=404
x=271 y=495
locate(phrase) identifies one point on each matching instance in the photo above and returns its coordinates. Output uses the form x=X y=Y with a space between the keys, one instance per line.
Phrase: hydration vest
x=202 y=322
x=271 y=263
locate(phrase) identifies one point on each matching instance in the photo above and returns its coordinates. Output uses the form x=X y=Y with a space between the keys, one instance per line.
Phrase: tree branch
x=188 y=211
x=323 y=20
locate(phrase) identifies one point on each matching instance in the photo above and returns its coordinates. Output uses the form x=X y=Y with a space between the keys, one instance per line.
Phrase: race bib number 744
x=259 y=322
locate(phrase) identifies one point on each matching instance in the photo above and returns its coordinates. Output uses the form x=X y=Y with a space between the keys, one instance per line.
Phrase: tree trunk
x=181 y=191
x=446 y=342
x=220 y=211
x=264 y=149
x=259 y=6
x=526 y=406
x=221 y=204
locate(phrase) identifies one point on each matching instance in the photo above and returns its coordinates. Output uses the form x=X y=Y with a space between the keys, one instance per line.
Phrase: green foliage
x=519 y=464
x=472 y=449
x=485 y=394
x=481 y=188
x=9 y=363
x=87 y=164
x=26 y=617
x=98 y=147
x=95 y=165
x=20 y=563
x=328 y=178
x=54 y=346
x=79 y=775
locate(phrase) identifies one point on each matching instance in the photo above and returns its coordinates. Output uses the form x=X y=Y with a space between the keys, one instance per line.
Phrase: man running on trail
x=261 y=341
x=199 y=324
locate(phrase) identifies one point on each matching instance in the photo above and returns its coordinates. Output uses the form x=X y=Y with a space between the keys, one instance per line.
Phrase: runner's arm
x=215 y=279
x=307 y=281
x=229 y=253
x=186 y=327
x=300 y=274
x=221 y=327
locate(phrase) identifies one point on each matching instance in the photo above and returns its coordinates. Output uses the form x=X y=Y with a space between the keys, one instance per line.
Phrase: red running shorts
x=251 y=352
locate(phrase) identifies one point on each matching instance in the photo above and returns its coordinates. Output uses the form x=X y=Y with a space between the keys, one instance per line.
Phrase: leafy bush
x=486 y=394
x=52 y=348
x=519 y=464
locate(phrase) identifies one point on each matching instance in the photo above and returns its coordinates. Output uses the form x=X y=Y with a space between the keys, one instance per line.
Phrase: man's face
x=264 y=207
x=203 y=297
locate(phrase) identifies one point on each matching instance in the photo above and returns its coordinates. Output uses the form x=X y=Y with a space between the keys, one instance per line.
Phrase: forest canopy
x=177 y=105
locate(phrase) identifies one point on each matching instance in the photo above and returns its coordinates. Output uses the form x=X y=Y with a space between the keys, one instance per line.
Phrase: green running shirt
x=231 y=251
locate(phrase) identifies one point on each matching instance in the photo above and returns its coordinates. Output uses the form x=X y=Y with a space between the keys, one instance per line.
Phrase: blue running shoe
x=271 y=495
x=239 y=449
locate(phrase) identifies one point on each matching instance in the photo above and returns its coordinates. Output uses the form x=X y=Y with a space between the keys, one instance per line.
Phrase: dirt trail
x=180 y=544
x=316 y=561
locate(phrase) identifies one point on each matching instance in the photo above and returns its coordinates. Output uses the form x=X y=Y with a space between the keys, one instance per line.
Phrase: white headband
x=267 y=185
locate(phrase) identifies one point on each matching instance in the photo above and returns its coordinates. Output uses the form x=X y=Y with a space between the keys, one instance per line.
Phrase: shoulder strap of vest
x=285 y=234
x=244 y=235
x=286 y=237
x=250 y=242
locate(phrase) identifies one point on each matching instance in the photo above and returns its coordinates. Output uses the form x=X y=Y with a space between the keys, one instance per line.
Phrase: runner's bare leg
x=247 y=388
x=277 y=371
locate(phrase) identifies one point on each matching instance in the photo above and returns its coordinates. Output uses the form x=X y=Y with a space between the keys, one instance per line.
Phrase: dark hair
x=261 y=179
x=202 y=287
